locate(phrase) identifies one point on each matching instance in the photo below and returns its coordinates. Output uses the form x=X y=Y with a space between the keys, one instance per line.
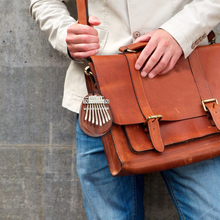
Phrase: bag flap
x=173 y=95
x=113 y=79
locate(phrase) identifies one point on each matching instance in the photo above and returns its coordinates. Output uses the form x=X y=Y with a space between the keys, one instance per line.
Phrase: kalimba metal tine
x=104 y=112
x=96 y=116
x=102 y=116
x=96 y=111
x=100 y=120
x=109 y=117
x=86 y=115
x=93 y=116
x=90 y=112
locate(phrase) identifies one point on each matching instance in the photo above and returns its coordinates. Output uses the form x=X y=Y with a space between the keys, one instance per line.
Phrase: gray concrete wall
x=38 y=179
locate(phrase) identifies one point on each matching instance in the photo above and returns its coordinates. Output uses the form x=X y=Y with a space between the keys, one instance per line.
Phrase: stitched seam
x=174 y=197
x=134 y=196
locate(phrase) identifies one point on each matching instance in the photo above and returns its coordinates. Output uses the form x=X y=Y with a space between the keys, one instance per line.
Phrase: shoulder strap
x=82 y=11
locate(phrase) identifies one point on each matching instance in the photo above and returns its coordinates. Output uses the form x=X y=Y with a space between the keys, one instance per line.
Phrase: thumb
x=94 y=21
x=143 y=38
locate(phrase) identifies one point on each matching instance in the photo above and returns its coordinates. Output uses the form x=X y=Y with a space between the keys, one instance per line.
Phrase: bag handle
x=82 y=11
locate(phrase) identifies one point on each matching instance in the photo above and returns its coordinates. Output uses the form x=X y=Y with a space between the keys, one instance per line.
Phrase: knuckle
x=163 y=63
x=68 y=40
x=154 y=59
x=86 y=38
x=86 y=29
x=146 y=52
x=72 y=28
x=72 y=48
x=84 y=47
x=69 y=30
x=165 y=44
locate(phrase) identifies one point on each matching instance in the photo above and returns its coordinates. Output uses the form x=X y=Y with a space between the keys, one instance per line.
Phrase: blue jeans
x=195 y=189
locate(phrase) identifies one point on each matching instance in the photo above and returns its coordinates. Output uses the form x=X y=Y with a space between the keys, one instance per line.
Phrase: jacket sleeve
x=53 y=18
x=193 y=23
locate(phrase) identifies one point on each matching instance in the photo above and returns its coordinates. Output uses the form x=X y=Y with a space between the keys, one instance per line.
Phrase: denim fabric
x=106 y=197
x=195 y=189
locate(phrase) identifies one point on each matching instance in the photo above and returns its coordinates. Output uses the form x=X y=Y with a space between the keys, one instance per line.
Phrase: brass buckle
x=130 y=51
x=206 y=101
x=155 y=117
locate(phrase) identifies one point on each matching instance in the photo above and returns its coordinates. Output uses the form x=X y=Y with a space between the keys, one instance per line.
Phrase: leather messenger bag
x=149 y=125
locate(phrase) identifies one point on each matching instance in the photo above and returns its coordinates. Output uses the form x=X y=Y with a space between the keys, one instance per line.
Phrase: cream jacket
x=188 y=21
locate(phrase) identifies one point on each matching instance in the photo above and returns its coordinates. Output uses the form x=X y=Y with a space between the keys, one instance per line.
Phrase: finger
x=170 y=65
x=149 y=67
x=145 y=54
x=82 y=55
x=80 y=39
x=160 y=66
x=143 y=38
x=84 y=47
x=79 y=29
x=94 y=21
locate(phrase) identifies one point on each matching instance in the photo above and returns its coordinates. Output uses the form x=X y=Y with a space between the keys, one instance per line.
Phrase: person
x=172 y=28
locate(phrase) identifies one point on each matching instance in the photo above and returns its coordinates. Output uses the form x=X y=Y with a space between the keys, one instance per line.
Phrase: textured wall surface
x=38 y=179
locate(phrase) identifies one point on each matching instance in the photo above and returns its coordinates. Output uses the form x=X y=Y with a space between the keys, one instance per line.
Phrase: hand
x=82 y=40
x=161 y=53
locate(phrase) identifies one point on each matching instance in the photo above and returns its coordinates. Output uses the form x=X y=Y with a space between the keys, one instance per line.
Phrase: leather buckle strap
x=155 y=134
x=212 y=106
x=152 y=121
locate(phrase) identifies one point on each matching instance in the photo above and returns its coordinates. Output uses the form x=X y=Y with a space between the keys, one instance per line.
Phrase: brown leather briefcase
x=155 y=124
